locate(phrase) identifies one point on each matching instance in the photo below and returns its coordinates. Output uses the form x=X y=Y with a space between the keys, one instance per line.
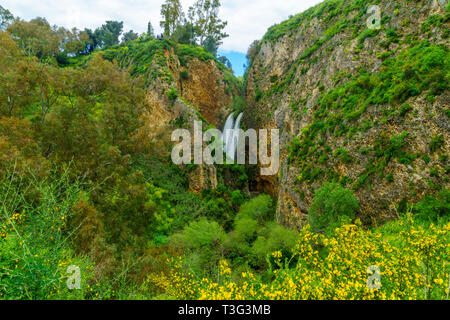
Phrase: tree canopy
x=173 y=16
x=203 y=25
x=5 y=17
x=204 y=16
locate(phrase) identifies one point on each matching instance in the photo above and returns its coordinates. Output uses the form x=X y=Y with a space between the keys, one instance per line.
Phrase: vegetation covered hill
x=364 y=107
x=86 y=181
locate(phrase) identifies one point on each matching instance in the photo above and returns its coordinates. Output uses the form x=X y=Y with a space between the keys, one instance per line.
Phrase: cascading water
x=237 y=126
x=231 y=135
x=228 y=134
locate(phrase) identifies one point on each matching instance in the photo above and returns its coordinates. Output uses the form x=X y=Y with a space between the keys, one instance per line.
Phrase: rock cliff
x=366 y=107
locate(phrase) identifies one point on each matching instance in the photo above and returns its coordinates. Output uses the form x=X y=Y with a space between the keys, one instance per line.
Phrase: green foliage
x=186 y=52
x=34 y=238
x=202 y=241
x=172 y=13
x=184 y=34
x=259 y=208
x=331 y=204
x=258 y=95
x=130 y=36
x=391 y=148
x=343 y=155
x=434 y=209
x=184 y=75
x=5 y=17
x=422 y=68
x=118 y=203
x=207 y=25
x=326 y=10
x=237 y=198
x=436 y=143
x=273 y=237
x=201 y=234
x=238 y=105
x=367 y=33
x=172 y=94
x=255 y=235
x=404 y=109
x=109 y=33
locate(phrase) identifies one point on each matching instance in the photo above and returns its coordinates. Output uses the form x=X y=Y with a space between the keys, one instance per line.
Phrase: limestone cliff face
x=204 y=93
x=366 y=108
x=202 y=84
x=205 y=87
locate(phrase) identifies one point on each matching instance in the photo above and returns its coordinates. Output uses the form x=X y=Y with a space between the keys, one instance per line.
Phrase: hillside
x=368 y=108
x=92 y=206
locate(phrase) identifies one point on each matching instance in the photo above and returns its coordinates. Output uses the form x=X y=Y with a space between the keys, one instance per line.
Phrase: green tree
x=36 y=37
x=92 y=42
x=15 y=81
x=5 y=18
x=129 y=36
x=172 y=13
x=43 y=41
x=109 y=33
x=150 y=30
x=184 y=34
x=331 y=204
x=211 y=45
x=226 y=62
x=204 y=16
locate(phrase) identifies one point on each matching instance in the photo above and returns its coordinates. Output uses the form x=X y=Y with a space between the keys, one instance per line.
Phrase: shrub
x=390 y=177
x=331 y=203
x=433 y=209
x=436 y=143
x=238 y=242
x=238 y=104
x=201 y=234
x=34 y=238
x=203 y=242
x=260 y=208
x=172 y=94
x=404 y=109
x=258 y=94
x=237 y=198
x=274 y=237
x=184 y=75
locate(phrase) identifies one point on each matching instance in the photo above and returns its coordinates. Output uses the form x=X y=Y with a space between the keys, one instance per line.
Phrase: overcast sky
x=248 y=20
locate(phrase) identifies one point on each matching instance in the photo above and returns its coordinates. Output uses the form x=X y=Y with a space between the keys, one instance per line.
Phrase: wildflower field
x=412 y=264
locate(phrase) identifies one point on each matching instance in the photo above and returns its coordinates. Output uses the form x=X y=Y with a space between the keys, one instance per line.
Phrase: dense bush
x=172 y=94
x=260 y=209
x=332 y=204
x=203 y=242
x=434 y=209
x=35 y=249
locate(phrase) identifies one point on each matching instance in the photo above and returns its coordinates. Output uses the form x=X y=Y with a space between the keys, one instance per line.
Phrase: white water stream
x=231 y=135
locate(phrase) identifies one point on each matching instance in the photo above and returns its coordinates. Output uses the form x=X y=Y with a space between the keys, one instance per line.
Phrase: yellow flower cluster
x=8 y=225
x=337 y=267
x=176 y=283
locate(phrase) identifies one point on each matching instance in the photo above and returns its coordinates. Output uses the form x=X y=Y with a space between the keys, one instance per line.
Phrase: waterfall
x=231 y=135
x=235 y=140
x=228 y=134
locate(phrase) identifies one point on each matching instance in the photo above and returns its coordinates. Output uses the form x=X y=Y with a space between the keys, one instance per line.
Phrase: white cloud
x=248 y=20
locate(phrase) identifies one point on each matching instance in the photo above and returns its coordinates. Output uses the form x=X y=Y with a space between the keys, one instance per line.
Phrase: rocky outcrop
x=302 y=79
x=204 y=94
x=205 y=87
